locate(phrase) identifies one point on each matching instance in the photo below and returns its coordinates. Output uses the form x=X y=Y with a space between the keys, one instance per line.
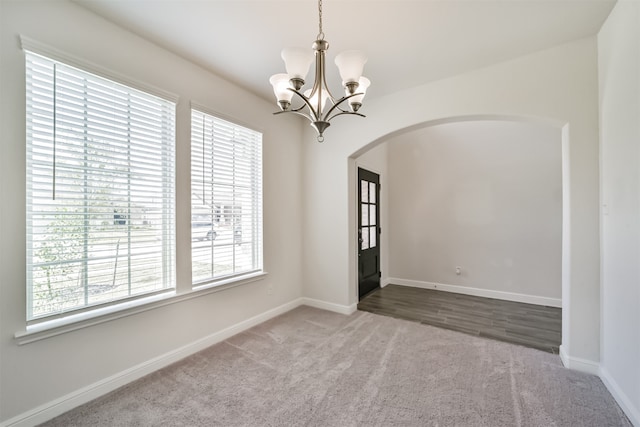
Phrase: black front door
x=368 y=232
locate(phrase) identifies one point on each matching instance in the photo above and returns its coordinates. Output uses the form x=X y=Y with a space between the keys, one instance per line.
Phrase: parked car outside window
x=202 y=228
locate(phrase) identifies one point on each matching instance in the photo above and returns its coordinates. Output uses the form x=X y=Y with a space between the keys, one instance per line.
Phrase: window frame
x=48 y=320
x=241 y=277
x=184 y=290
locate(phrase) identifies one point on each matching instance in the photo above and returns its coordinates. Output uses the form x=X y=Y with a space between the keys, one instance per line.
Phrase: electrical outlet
x=458 y=270
x=270 y=290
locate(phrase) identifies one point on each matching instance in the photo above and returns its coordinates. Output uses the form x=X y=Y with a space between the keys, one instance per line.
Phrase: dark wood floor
x=525 y=324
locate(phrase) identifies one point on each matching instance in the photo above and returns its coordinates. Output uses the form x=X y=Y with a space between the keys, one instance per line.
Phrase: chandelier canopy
x=319 y=106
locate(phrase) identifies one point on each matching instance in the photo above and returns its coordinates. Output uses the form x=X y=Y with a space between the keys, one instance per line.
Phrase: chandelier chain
x=320 y=32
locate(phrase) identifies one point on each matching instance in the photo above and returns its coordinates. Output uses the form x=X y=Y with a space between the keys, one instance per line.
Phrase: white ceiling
x=408 y=42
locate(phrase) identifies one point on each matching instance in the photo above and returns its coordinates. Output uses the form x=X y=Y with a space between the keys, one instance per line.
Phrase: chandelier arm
x=300 y=108
x=306 y=116
x=337 y=103
x=341 y=109
x=321 y=77
x=295 y=110
x=343 y=113
x=308 y=104
x=320 y=83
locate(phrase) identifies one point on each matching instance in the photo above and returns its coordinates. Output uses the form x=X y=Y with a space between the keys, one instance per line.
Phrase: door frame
x=382 y=224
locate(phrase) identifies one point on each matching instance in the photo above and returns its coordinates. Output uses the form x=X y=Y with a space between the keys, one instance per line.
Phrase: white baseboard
x=579 y=364
x=58 y=406
x=65 y=403
x=594 y=368
x=329 y=306
x=487 y=293
x=72 y=400
x=632 y=412
x=564 y=357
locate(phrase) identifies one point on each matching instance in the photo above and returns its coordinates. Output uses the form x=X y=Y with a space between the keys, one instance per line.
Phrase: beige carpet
x=310 y=367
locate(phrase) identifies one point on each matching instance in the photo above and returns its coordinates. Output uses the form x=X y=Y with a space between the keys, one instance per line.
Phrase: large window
x=100 y=190
x=226 y=199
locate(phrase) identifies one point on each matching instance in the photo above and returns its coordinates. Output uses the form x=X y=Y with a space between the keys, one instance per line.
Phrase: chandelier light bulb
x=356 y=101
x=313 y=100
x=297 y=61
x=280 y=83
x=351 y=64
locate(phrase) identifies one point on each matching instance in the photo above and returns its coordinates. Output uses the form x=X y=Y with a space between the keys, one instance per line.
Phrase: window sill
x=71 y=323
x=228 y=282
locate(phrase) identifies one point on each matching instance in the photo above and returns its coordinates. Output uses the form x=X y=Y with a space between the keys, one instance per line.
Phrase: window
x=368 y=219
x=226 y=199
x=100 y=190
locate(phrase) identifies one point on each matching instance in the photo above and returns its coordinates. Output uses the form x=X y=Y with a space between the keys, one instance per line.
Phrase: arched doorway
x=485 y=195
x=561 y=128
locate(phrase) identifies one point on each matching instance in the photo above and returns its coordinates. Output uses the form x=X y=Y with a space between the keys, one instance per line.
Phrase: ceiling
x=408 y=43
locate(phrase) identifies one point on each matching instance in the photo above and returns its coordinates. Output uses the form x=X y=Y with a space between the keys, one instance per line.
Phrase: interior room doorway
x=368 y=232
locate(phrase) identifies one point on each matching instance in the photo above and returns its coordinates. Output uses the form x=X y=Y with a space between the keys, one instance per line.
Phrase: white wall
x=619 y=77
x=38 y=373
x=485 y=196
x=375 y=160
x=559 y=85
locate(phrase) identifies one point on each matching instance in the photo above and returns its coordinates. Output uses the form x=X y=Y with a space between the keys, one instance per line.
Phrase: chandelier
x=319 y=106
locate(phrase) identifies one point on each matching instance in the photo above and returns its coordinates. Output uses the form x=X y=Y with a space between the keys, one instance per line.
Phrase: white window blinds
x=226 y=199
x=100 y=190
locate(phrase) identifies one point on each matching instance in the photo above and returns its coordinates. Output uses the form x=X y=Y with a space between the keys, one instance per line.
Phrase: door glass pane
x=372 y=214
x=365 y=214
x=372 y=192
x=365 y=238
x=372 y=238
x=364 y=190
